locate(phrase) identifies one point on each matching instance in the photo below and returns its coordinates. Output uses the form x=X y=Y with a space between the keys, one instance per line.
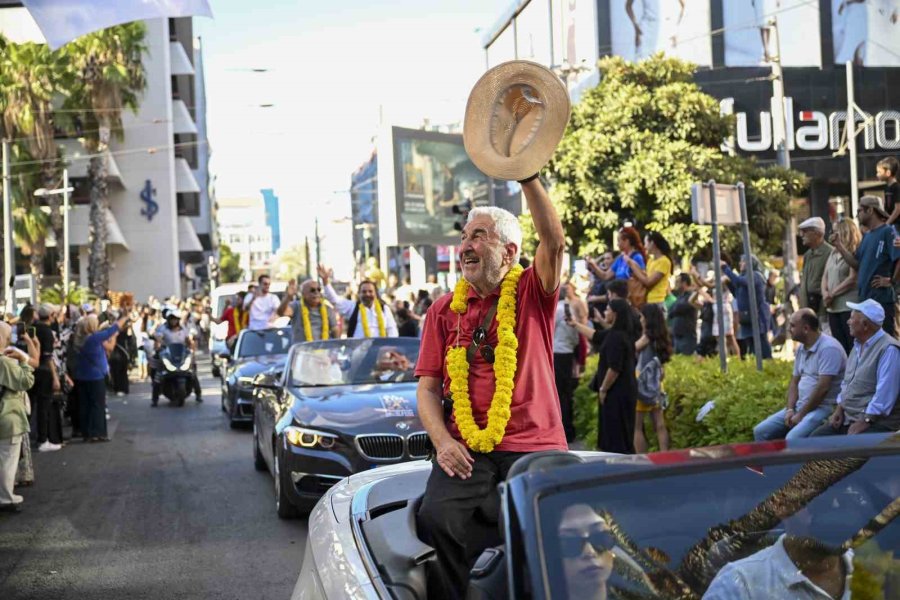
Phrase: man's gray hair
x=506 y=224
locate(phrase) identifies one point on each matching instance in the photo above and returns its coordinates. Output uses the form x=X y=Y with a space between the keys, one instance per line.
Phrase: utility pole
x=782 y=156
x=9 y=270
x=850 y=128
x=66 y=262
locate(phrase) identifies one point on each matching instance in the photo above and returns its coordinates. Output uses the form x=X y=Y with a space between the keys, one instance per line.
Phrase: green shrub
x=743 y=397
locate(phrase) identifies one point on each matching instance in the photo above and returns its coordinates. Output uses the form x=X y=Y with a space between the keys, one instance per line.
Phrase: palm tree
x=31 y=76
x=108 y=78
x=31 y=224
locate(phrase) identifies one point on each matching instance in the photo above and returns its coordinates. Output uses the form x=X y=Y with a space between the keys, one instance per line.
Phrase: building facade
x=160 y=204
x=242 y=226
x=273 y=217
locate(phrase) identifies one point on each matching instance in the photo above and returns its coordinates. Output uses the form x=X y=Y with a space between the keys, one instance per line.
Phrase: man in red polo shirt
x=462 y=478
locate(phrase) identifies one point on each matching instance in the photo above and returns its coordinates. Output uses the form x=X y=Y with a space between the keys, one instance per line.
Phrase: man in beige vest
x=868 y=399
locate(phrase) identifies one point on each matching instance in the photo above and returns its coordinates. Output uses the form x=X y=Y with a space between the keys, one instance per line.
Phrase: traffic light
x=462 y=209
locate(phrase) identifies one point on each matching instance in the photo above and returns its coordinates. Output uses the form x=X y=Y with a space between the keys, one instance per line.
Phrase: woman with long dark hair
x=630 y=246
x=660 y=265
x=618 y=385
x=655 y=343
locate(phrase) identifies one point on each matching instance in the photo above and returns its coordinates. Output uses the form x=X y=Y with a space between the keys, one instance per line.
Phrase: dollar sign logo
x=147 y=195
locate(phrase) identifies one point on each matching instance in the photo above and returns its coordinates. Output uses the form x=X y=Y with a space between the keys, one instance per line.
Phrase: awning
x=187 y=237
x=178 y=60
x=182 y=122
x=79 y=219
x=78 y=161
x=185 y=182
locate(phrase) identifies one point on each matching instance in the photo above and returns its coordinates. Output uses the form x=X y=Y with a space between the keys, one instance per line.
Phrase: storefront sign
x=813 y=130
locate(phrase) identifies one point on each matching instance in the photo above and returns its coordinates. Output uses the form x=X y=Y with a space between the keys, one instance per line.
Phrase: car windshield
x=264 y=342
x=778 y=531
x=355 y=362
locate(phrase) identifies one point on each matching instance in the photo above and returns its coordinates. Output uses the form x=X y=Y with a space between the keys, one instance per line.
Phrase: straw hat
x=515 y=117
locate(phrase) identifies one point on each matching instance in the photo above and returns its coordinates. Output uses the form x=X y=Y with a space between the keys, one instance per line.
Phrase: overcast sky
x=334 y=67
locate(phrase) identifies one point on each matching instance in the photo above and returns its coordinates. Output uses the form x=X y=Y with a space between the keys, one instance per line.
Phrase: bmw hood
x=355 y=409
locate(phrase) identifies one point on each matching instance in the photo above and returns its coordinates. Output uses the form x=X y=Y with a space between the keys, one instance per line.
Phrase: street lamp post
x=64 y=190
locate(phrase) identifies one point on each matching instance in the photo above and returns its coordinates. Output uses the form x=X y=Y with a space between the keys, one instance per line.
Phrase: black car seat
x=487 y=579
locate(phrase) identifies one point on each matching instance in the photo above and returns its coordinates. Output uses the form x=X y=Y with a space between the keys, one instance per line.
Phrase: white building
x=242 y=226
x=161 y=220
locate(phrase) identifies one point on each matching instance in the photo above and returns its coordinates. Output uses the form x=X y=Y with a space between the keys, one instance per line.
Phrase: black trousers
x=562 y=370
x=118 y=371
x=41 y=396
x=92 y=406
x=453 y=520
x=888 y=325
x=616 y=428
x=840 y=329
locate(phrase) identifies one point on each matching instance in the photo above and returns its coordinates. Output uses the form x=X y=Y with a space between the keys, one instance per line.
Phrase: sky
x=334 y=71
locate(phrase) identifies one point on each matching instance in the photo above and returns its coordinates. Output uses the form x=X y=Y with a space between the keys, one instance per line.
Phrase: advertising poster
x=747 y=35
x=432 y=174
x=866 y=32
x=679 y=28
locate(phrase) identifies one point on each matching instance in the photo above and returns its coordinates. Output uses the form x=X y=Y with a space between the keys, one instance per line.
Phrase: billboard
x=747 y=35
x=432 y=174
x=680 y=28
x=866 y=33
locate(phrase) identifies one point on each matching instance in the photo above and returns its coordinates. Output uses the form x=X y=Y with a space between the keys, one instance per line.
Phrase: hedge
x=742 y=397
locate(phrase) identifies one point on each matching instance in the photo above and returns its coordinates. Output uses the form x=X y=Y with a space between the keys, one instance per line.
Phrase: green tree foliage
x=229 y=264
x=635 y=144
x=290 y=263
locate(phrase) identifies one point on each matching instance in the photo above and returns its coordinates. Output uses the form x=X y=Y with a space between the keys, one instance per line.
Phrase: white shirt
x=262 y=310
x=346 y=308
x=769 y=574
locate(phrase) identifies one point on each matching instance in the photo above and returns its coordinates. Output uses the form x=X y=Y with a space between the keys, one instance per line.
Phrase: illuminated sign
x=813 y=130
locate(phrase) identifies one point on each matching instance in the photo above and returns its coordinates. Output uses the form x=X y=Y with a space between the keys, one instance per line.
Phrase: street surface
x=170 y=508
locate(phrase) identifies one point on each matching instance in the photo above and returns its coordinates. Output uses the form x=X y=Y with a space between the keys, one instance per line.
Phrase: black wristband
x=532 y=178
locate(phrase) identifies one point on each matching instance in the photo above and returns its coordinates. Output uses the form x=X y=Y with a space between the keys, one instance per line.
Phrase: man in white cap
x=812 y=231
x=868 y=399
x=876 y=260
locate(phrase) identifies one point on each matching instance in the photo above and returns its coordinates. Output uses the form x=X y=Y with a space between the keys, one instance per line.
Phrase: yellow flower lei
x=505 y=363
x=307 y=326
x=364 y=315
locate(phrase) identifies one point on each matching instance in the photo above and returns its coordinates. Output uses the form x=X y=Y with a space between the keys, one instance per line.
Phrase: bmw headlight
x=168 y=364
x=186 y=365
x=309 y=438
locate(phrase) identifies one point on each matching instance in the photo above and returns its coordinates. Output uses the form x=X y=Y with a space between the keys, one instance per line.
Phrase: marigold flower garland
x=505 y=363
x=364 y=315
x=307 y=326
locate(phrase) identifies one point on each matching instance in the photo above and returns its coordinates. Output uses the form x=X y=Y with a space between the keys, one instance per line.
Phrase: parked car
x=741 y=521
x=255 y=351
x=338 y=407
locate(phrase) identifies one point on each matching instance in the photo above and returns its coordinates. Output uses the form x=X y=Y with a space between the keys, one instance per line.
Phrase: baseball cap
x=876 y=203
x=87 y=308
x=813 y=223
x=871 y=309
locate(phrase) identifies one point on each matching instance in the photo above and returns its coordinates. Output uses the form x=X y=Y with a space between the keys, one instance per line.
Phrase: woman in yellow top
x=659 y=269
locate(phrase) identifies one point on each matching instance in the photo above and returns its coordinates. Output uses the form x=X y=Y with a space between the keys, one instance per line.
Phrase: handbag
x=649 y=383
x=637 y=293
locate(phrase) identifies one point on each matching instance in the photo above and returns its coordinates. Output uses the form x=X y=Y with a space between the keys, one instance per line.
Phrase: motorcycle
x=175 y=378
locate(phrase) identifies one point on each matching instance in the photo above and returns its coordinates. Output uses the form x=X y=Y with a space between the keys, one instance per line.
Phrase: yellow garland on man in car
x=307 y=326
x=364 y=315
x=505 y=364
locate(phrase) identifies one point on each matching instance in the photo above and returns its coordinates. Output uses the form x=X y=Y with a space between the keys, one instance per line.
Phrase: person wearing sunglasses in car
x=586 y=548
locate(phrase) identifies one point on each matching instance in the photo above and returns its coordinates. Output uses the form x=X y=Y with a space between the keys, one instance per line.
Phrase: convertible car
x=815 y=518
x=255 y=351
x=338 y=407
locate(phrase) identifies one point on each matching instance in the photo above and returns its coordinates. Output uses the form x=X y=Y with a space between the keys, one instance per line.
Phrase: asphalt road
x=170 y=508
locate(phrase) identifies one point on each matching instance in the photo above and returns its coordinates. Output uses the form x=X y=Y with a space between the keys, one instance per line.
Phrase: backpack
x=649 y=382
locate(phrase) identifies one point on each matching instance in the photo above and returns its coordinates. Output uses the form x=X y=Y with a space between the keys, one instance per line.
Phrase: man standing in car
x=474 y=451
x=261 y=304
x=367 y=318
x=310 y=326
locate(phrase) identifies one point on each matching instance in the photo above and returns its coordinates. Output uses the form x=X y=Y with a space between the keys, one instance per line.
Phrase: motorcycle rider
x=173 y=332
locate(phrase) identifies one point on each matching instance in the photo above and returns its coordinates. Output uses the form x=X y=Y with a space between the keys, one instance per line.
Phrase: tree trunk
x=54 y=201
x=98 y=264
x=36 y=262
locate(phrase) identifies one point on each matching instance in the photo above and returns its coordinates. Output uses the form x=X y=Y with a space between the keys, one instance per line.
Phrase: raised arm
x=343 y=306
x=551 y=238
